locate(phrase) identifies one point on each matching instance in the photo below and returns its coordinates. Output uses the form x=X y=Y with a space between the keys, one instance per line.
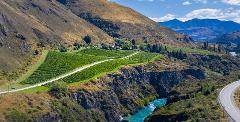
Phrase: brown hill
x=233 y=37
x=120 y=21
x=29 y=24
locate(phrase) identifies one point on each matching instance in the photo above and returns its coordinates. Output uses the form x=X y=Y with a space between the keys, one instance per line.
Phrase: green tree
x=205 y=45
x=77 y=46
x=126 y=46
x=87 y=39
x=63 y=49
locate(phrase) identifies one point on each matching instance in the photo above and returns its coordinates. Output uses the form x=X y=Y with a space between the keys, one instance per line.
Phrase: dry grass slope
x=131 y=24
x=26 y=23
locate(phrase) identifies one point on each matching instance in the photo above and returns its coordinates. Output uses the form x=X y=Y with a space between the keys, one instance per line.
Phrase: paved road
x=65 y=75
x=226 y=99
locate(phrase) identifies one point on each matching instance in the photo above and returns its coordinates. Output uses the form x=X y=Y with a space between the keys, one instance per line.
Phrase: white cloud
x=186 y=3
x=228 y=14
x=201 y=1
x=164 y=18
x=231 y=2
x=207 y=13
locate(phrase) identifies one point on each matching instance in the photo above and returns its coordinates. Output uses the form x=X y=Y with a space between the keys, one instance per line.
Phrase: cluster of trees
x=178 y=54
x=155 y=48
x=125 y=44
x=212 y=47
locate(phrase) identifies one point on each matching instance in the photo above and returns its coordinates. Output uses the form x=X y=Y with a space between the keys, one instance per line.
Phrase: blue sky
x=163 y=10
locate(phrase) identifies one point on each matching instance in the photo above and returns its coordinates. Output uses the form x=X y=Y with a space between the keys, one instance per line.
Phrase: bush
x=63 y=49
x=17 y=116
x=126 y=46
x=87 y=39
x=59 y=89
x=207 y=89
x=77 y=46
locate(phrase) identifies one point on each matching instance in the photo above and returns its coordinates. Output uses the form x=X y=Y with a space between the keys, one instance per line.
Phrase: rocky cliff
x=120 y=93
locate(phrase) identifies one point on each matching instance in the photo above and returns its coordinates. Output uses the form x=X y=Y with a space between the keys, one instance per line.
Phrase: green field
x=191 y=50
x=57 y=63
x=106 y=53
x=109 y=66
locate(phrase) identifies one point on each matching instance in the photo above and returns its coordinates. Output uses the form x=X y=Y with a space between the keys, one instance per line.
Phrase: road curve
x=65 y=75
x=227 y=101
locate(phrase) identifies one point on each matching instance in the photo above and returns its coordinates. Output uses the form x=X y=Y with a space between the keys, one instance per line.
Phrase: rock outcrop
x=124 y=92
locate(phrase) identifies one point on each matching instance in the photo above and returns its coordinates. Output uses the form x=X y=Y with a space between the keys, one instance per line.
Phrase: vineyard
x=109 y=66
x=58 y=63
x=106 y=53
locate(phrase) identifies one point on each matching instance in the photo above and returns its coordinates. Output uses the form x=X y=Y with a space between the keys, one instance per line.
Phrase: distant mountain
x=202 y=29
x=233 y=37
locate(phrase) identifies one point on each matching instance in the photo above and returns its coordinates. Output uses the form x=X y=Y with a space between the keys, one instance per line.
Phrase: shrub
x=77 y=46
x=59 y=89
x=87 y=39
x=63 y=49
x=17 y=116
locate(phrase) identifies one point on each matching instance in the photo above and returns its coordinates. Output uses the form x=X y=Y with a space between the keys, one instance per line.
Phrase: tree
x=134 y=46
x=219 y=48
x=133 y=42
x=205 y=45
x=149 y=47
x=63 y=49
x=126 y=46
x=87 y=39
x=104 y=46
x=142 y=47
x=77 y=46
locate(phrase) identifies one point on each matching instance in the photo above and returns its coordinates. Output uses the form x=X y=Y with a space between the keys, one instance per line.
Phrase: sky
x=164 y=10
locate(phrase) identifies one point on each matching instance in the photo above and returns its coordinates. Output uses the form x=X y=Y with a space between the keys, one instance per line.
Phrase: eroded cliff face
x=126 y=91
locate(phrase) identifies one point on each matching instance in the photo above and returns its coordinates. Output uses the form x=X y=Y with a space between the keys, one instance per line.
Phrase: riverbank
x=195 y=100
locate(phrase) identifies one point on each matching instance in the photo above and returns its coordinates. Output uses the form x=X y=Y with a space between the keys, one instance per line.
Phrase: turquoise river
x=145 y=111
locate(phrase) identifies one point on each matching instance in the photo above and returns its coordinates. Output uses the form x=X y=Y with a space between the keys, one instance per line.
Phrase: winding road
x=227 y=101
x=65 y=75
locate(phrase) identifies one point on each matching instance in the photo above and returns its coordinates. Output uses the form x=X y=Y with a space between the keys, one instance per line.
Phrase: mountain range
x=233 y=37
x=202 y=29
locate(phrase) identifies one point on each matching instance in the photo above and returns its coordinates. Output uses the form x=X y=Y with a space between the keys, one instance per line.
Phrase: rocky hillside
x=26 y=25
x=103 y=99
x=233 y=37
x=120 y=21
x=30 y=25
x=202 y=29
